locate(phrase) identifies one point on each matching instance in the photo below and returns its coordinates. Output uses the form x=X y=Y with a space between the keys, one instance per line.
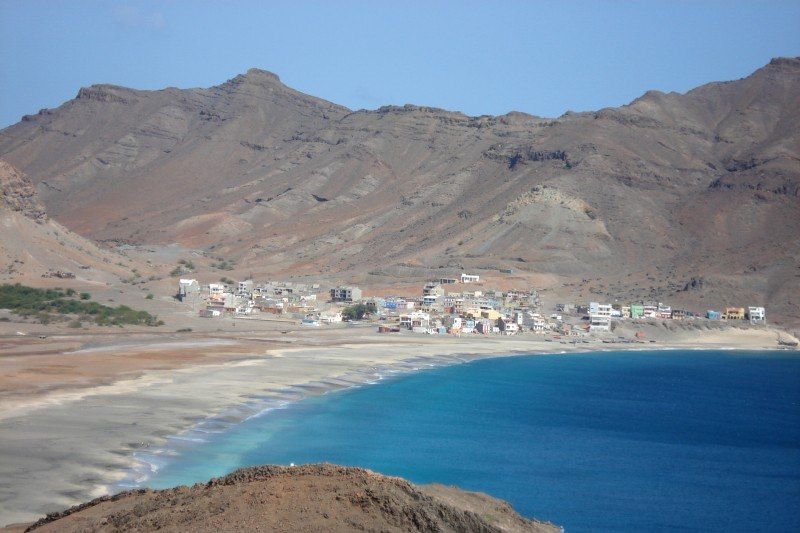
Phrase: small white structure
x=330 y=317
x=187 y=287
x=757 y=315
x=216 y=289
x=469 y=278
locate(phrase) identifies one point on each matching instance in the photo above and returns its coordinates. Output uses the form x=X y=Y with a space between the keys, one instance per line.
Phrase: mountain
x=690 y=198
x=315 y=497
x=33 y=246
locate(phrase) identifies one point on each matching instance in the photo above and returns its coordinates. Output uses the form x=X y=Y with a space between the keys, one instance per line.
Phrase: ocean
x=603 y=441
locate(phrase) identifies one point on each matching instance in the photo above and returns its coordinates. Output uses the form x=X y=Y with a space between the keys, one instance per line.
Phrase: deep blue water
x=623 y=441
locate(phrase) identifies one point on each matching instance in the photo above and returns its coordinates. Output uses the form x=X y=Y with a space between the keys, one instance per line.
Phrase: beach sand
x=76 y=411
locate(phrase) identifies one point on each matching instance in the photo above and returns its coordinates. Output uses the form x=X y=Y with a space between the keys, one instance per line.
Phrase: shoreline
x=84 y=454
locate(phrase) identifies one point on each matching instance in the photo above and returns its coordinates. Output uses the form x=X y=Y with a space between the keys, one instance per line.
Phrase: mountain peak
x=258 y=76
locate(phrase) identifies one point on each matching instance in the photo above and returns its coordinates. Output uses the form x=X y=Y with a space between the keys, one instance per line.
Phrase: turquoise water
x=623 y=441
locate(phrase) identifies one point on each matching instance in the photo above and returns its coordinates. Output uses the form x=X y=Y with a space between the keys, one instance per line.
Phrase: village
x=445 y=306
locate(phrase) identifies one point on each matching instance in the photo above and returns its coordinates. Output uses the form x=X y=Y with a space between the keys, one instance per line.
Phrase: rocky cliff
x=17 y=193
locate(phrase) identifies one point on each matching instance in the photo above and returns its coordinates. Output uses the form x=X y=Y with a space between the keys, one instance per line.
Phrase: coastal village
x=444 y=306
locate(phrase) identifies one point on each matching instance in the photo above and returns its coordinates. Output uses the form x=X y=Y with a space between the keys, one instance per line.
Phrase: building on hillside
x=216 y=289
x=187 y=288
x=637 y=311
x=244 y=288
x=664 y=311
x=678 y=314
x=713 y=315
x=733 y=313
x=446 y=281
x=599 y=323
x=535 y=322
x=625 y=311
x=507 y=326
x=433 y=289
x=756 y=315
x=415 y=319
x=345 y=294
x=598 y=309
x=430 y=300
x=469 y=278
x=650 y=310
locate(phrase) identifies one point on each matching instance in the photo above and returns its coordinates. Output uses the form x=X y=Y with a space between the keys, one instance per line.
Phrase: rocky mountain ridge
x=625 y=202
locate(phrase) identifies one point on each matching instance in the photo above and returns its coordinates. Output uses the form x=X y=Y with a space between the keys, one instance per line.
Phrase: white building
x=598 y=323
x=187 y=287
x=757 y=315
x=469 y=278
x=244 y=288
x=508 y=326
x=598 y=309
x=415 y=319
x=216 y=289
x=330 y=317
x=650 y=311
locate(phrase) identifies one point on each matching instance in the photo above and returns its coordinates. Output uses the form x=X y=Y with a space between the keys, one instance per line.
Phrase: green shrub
x=359 y=311
x=45 y=303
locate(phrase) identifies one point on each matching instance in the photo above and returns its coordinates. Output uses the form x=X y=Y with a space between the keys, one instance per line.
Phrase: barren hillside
x=305 y=498
x=694 y=197
x=36 y=249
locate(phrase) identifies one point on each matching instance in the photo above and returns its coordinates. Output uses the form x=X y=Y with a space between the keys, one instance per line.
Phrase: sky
x=490 y=57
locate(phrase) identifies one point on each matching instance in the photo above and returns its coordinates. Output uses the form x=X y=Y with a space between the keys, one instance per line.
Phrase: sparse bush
x=149 y=296
x=45 y=303
x=359 y=311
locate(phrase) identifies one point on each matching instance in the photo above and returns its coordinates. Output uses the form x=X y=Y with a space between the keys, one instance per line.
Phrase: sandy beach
x=80 y=414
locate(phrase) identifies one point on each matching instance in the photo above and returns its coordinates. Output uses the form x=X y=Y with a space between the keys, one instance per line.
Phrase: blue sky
x=486 y=57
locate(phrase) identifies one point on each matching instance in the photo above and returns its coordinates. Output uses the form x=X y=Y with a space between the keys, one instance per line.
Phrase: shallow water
x=623 y=441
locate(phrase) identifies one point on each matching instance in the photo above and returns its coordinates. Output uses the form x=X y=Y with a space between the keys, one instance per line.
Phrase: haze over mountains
x=689 y=197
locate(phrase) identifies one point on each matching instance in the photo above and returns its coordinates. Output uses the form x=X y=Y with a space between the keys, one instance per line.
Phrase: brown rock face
x=17 y=193
x=318 y=497
x=638 y=200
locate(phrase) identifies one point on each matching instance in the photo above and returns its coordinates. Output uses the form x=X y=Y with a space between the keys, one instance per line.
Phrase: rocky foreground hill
x=692 y=198
x=318 y=497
